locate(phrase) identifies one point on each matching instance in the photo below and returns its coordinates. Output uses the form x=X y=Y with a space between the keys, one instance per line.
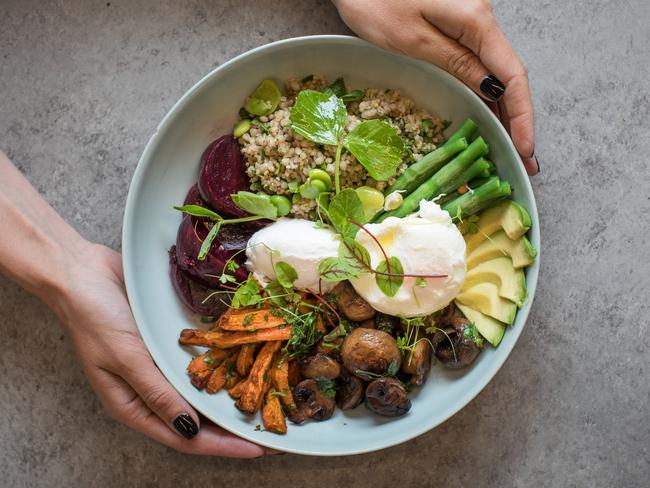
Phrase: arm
x=463 y=38
x=82 y=282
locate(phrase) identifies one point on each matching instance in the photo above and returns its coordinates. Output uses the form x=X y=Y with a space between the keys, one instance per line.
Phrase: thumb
x=155 y=391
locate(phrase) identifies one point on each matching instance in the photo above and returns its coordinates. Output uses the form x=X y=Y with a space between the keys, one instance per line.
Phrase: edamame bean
x=241 y=127
x=282 y=203
x=312 y=189
x=320 y=175
x=371 y=199
x=264 y=99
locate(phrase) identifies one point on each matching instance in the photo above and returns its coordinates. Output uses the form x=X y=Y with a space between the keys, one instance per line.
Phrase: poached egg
x=426 y=243
x=297 y=242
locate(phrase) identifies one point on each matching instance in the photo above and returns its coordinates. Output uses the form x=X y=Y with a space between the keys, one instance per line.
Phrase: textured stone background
x=84 y=83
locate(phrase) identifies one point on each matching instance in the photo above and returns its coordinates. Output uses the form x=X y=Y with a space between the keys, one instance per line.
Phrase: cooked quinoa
x=276 y=156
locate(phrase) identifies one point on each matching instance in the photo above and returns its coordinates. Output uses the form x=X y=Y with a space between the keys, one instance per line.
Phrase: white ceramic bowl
x=169 y=167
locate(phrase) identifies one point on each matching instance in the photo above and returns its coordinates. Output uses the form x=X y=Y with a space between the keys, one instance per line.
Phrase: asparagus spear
x=422 y=170
x=434 y=185
x=479 y=168
x=474 y=201
x=466 y=130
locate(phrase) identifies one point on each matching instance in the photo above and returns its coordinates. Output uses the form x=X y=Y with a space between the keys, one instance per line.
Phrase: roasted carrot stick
x=201 y=367
x=272 y=415
x=247 y=319
x=245 y=359
x=252 y=394
x=225 y=340
x=280 y=381
x=221 y=374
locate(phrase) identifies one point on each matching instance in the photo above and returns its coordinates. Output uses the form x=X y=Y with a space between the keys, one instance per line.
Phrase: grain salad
x=279 y=160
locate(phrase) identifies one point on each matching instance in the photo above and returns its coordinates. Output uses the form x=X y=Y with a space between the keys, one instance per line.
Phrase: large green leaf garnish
x=319 y=117
x=390 y=278
x=377 y=146
x=344 y=208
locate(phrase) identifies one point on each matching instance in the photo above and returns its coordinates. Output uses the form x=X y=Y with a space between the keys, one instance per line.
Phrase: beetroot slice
x=191 y=292
x=222 y=173
x=188 y=245
x=194 y=197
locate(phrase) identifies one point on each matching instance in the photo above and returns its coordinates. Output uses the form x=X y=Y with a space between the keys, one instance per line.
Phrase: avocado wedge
x=492 y=330
x=485 y=298
x=521 y=251
x=500 y=271
x=507 y=215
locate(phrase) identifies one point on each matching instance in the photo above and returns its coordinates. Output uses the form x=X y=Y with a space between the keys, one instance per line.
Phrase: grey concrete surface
x=82 y=86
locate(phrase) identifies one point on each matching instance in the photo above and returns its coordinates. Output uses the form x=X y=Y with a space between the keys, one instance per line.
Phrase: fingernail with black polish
x=186 y=426
x=492 y=88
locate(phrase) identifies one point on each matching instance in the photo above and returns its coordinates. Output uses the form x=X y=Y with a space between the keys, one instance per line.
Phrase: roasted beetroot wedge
x=190 y=236
x=193 y=294
x=222 y=173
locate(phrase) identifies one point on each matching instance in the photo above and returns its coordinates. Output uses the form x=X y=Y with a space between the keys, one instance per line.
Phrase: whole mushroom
x=369 y=350
x=351 y=304
x=418 y=361
x=320 y=366
x=311 y=402
x=386 y=396
x=456 y=347
x=350 y=391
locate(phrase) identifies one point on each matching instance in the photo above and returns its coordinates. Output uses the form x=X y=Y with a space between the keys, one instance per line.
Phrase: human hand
x=462 y=38
x=128 y=383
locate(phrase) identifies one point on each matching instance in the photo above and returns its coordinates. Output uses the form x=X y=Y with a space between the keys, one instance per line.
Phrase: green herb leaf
x=377 y=146
x=248 y=318
x=337 y=88
x=426 y=125
x=209 y=360
x=277 y=293
x=207 y=242
x=343 y=208
x=198 y=211
x=247 y=294
x=389 y=285
x=340 y=330
x=285 y=274
x=392 y=368
x=332 y=270
x=353 y=96
x=472 y=333
x=319 y=117
x=255 y=204
x=353 y=256
x=421 y=282
x=327 y=386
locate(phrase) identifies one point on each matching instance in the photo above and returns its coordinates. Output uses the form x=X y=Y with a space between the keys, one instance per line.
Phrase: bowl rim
x=532 y=272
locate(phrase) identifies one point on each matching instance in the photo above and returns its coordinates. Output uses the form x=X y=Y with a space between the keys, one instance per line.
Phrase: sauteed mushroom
x=320 y=366
x=369 y=350
x=312 y=403
x=351 y=304
x=388 y=397
x=455 y=347
x=418 y=362
x=350 y=391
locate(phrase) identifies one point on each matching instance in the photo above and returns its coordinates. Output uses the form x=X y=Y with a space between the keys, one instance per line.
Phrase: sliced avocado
x=507 y=215
x=511 y=282
x=520 y=250
x=489 y=328
x=485 y=298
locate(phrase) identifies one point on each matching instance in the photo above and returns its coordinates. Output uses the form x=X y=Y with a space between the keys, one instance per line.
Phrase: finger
x=126 y=406
x=474 y=26
x=437 y=48
x=158 y=395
